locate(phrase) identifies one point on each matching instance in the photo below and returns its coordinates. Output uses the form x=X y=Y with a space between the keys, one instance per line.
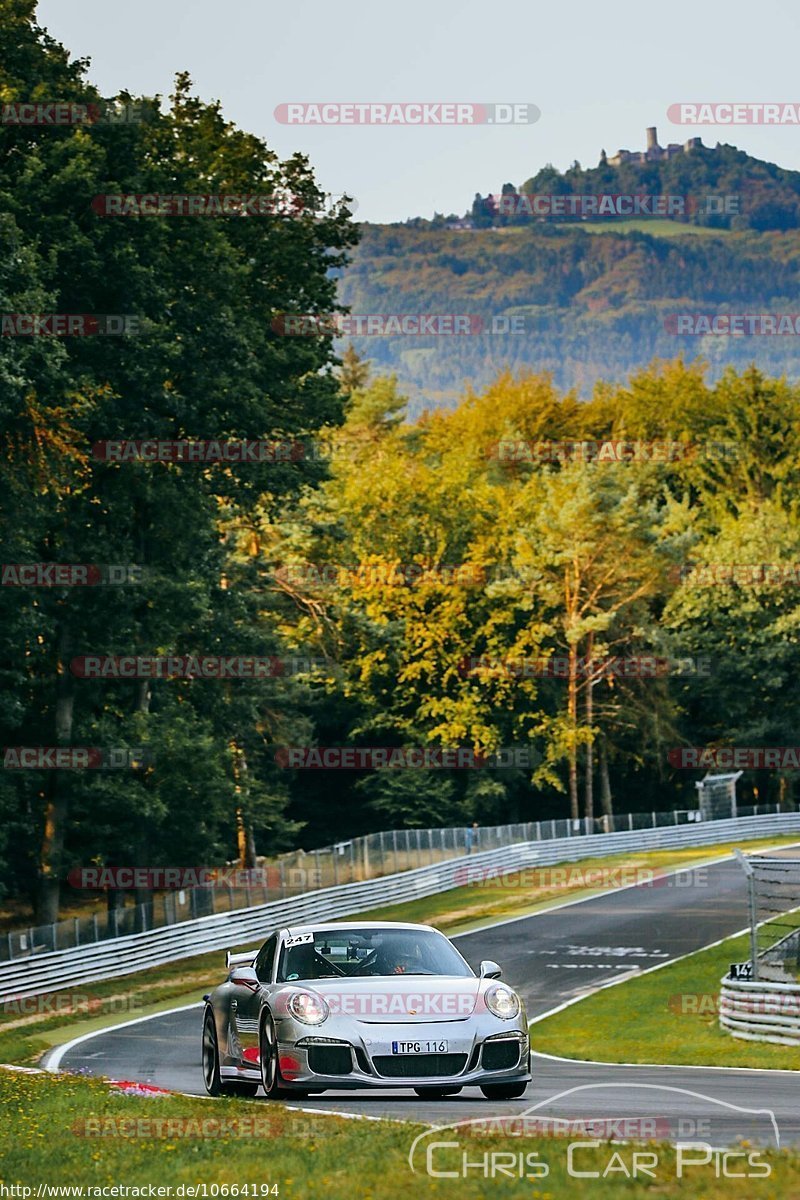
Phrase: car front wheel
x=270 y=1068
x=211 y=1075
x=215 y=1084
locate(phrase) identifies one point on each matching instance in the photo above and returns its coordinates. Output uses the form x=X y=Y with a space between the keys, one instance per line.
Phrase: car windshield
x=334 y=953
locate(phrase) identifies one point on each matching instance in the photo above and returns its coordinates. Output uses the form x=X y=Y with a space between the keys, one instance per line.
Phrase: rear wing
x=244 y=959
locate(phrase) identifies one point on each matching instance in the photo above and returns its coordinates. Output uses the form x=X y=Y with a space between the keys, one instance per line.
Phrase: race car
x=372 y=1004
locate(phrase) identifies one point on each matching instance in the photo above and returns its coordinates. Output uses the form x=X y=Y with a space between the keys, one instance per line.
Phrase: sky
x=599 y=74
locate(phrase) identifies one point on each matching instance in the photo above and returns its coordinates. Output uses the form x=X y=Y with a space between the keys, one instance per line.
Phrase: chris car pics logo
x=712 y=1139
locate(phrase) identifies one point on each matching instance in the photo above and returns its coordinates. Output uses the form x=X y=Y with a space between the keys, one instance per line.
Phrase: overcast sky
x=599 y=73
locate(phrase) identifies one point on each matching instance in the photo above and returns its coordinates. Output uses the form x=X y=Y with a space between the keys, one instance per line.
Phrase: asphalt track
x=550 y=958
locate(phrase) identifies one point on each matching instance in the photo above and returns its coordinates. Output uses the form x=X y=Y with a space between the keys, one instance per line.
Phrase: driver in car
x=399 y=958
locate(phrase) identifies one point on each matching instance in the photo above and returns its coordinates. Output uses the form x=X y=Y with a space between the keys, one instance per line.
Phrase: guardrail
x=761 y=1012
x=57 y=970
x=299 y=871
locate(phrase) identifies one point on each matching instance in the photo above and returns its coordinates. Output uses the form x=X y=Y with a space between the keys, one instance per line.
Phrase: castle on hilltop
x=653 y=153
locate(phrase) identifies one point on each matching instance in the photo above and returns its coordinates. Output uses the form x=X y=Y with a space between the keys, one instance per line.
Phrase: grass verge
x=71 y=1131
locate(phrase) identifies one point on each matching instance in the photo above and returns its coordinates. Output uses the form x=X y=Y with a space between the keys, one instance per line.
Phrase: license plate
x=423 y=1047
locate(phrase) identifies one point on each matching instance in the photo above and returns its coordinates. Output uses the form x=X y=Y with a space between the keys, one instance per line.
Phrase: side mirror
x=246 y=977
x=490 y=970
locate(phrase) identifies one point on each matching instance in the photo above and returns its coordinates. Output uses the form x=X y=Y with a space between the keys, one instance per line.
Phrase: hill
x=587 y=307
x=542 y=293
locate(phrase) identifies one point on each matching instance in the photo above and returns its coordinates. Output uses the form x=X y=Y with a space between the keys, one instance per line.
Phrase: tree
x=207 y=364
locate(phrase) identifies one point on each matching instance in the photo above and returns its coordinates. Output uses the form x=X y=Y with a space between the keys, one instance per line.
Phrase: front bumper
x=363 y=1057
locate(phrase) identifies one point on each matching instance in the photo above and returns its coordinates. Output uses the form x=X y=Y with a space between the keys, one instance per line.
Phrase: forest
x=564 y=590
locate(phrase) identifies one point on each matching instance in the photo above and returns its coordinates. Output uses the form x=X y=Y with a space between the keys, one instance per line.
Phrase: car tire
x=215 y=1084
x=436 y=1093
x=211 y=1075
x=504 y=1091
x=268 y=1053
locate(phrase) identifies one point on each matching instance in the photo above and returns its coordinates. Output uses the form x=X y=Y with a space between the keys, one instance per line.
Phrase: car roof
x=344 y=926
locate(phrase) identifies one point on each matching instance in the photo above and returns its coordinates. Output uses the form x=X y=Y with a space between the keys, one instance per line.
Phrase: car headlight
x=501 y=1001
x=308 y=1008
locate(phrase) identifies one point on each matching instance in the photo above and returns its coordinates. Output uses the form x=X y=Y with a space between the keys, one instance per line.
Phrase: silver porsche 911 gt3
x=371 y=1004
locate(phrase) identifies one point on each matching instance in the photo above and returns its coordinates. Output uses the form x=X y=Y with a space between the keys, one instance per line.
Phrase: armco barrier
x=760 y=1011
x=125 y=955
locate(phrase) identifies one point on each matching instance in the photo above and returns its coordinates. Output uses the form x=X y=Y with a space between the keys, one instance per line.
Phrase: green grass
x=664 y=1016
x=69 y=1130
x=24 y=1039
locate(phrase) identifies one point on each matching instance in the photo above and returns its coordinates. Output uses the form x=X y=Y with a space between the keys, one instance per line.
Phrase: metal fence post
x=752 y=909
